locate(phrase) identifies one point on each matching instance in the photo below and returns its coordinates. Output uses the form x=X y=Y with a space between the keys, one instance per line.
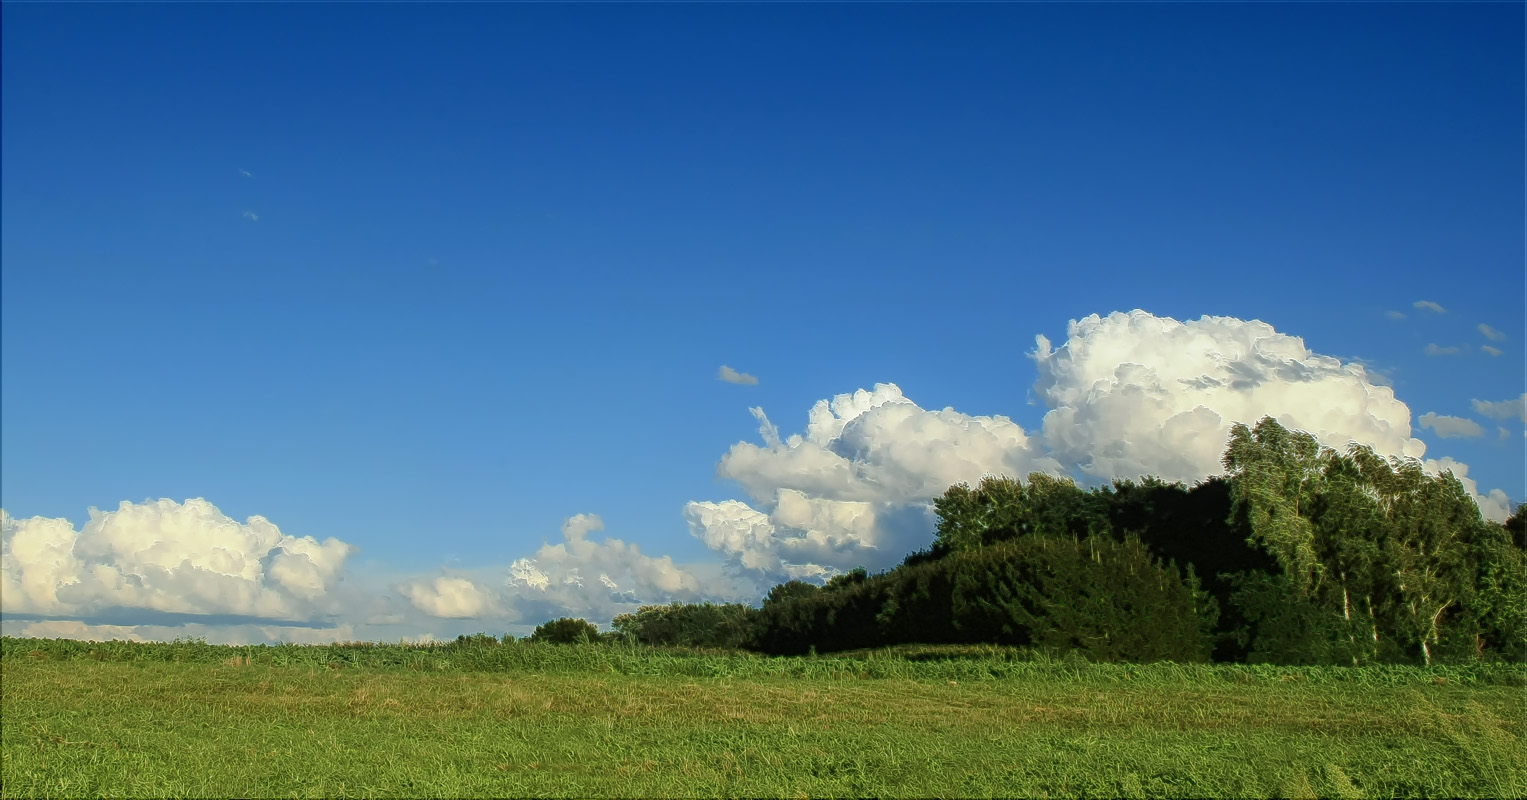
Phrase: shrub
x=688 y=625
x=566 y=631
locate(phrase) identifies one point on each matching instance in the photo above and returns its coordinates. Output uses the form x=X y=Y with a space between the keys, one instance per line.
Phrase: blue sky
x=432 y=280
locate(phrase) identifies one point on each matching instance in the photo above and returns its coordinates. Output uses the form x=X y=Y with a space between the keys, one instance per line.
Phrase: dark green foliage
x=790 y=590
x=932 y=552
x=1193 y=526
x=688 y=625
x=1283 y=626
x=566 y=631
x=1111 y=601
x=1516 y=526
x=1107 y=600
x=1001 y=509
x=1499 y=603
x=854 y=576
x=838 y=619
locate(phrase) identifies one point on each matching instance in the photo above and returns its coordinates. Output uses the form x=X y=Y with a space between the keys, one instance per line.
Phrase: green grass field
x=543 y=720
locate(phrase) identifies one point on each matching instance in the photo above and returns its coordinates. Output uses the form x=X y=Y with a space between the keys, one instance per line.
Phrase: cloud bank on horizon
x=1128 y=394
x=167 y=557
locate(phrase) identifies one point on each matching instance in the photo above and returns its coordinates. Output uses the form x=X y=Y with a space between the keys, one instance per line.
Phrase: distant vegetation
x=1300 y=555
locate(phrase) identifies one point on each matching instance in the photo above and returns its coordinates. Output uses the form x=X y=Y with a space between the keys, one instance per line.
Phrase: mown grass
x=529 y=720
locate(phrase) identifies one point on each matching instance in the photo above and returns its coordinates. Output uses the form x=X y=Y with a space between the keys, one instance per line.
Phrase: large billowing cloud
x=1135 y=394
x=854 y=488
x=880 y=447
x=179 y=558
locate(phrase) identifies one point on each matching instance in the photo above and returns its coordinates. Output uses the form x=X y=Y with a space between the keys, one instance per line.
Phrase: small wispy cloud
x=1451 y=427
x=1503 y=409
x=1427 y=305
x=1395 y=314
x=1491 y=333
x=251 y=216
x=1494 y=351
x=733 y=376
x=246 y=173
x=1435 y=349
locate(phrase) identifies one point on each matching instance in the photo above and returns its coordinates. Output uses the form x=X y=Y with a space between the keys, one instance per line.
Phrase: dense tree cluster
x=1299 y=555
x=1111 y=600
x=566 y=631
x=1376 y=559
x=688 y=625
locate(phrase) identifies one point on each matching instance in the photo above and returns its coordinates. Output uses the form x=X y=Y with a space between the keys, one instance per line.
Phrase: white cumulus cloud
x=1434 y=349
x=165 y=556
x=1135 y=394
x=1492 y=351
x=854 y=488
x=879 y=446
x=1491 y=333
x=1427 y=305
x=1451 y=427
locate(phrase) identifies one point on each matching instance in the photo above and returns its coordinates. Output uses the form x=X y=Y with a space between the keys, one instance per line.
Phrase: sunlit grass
x=601 y=722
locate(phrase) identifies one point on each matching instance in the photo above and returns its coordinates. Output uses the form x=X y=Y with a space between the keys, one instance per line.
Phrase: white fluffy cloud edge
x=1128 y=394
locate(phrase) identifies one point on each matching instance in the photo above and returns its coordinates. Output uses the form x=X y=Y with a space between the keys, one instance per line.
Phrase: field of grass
x=191 y=719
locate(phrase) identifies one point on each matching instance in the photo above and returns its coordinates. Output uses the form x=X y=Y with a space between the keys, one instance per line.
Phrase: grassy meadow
x=522 y=719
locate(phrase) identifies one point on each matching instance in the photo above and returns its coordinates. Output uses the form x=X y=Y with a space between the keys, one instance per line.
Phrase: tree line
x=1299 y=554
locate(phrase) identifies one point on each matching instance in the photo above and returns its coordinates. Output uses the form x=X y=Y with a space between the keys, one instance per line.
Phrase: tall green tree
x=1432 y=523
x=1351 y=532
x=1377 y=559
x=1278 y=474
x=1500 y=599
